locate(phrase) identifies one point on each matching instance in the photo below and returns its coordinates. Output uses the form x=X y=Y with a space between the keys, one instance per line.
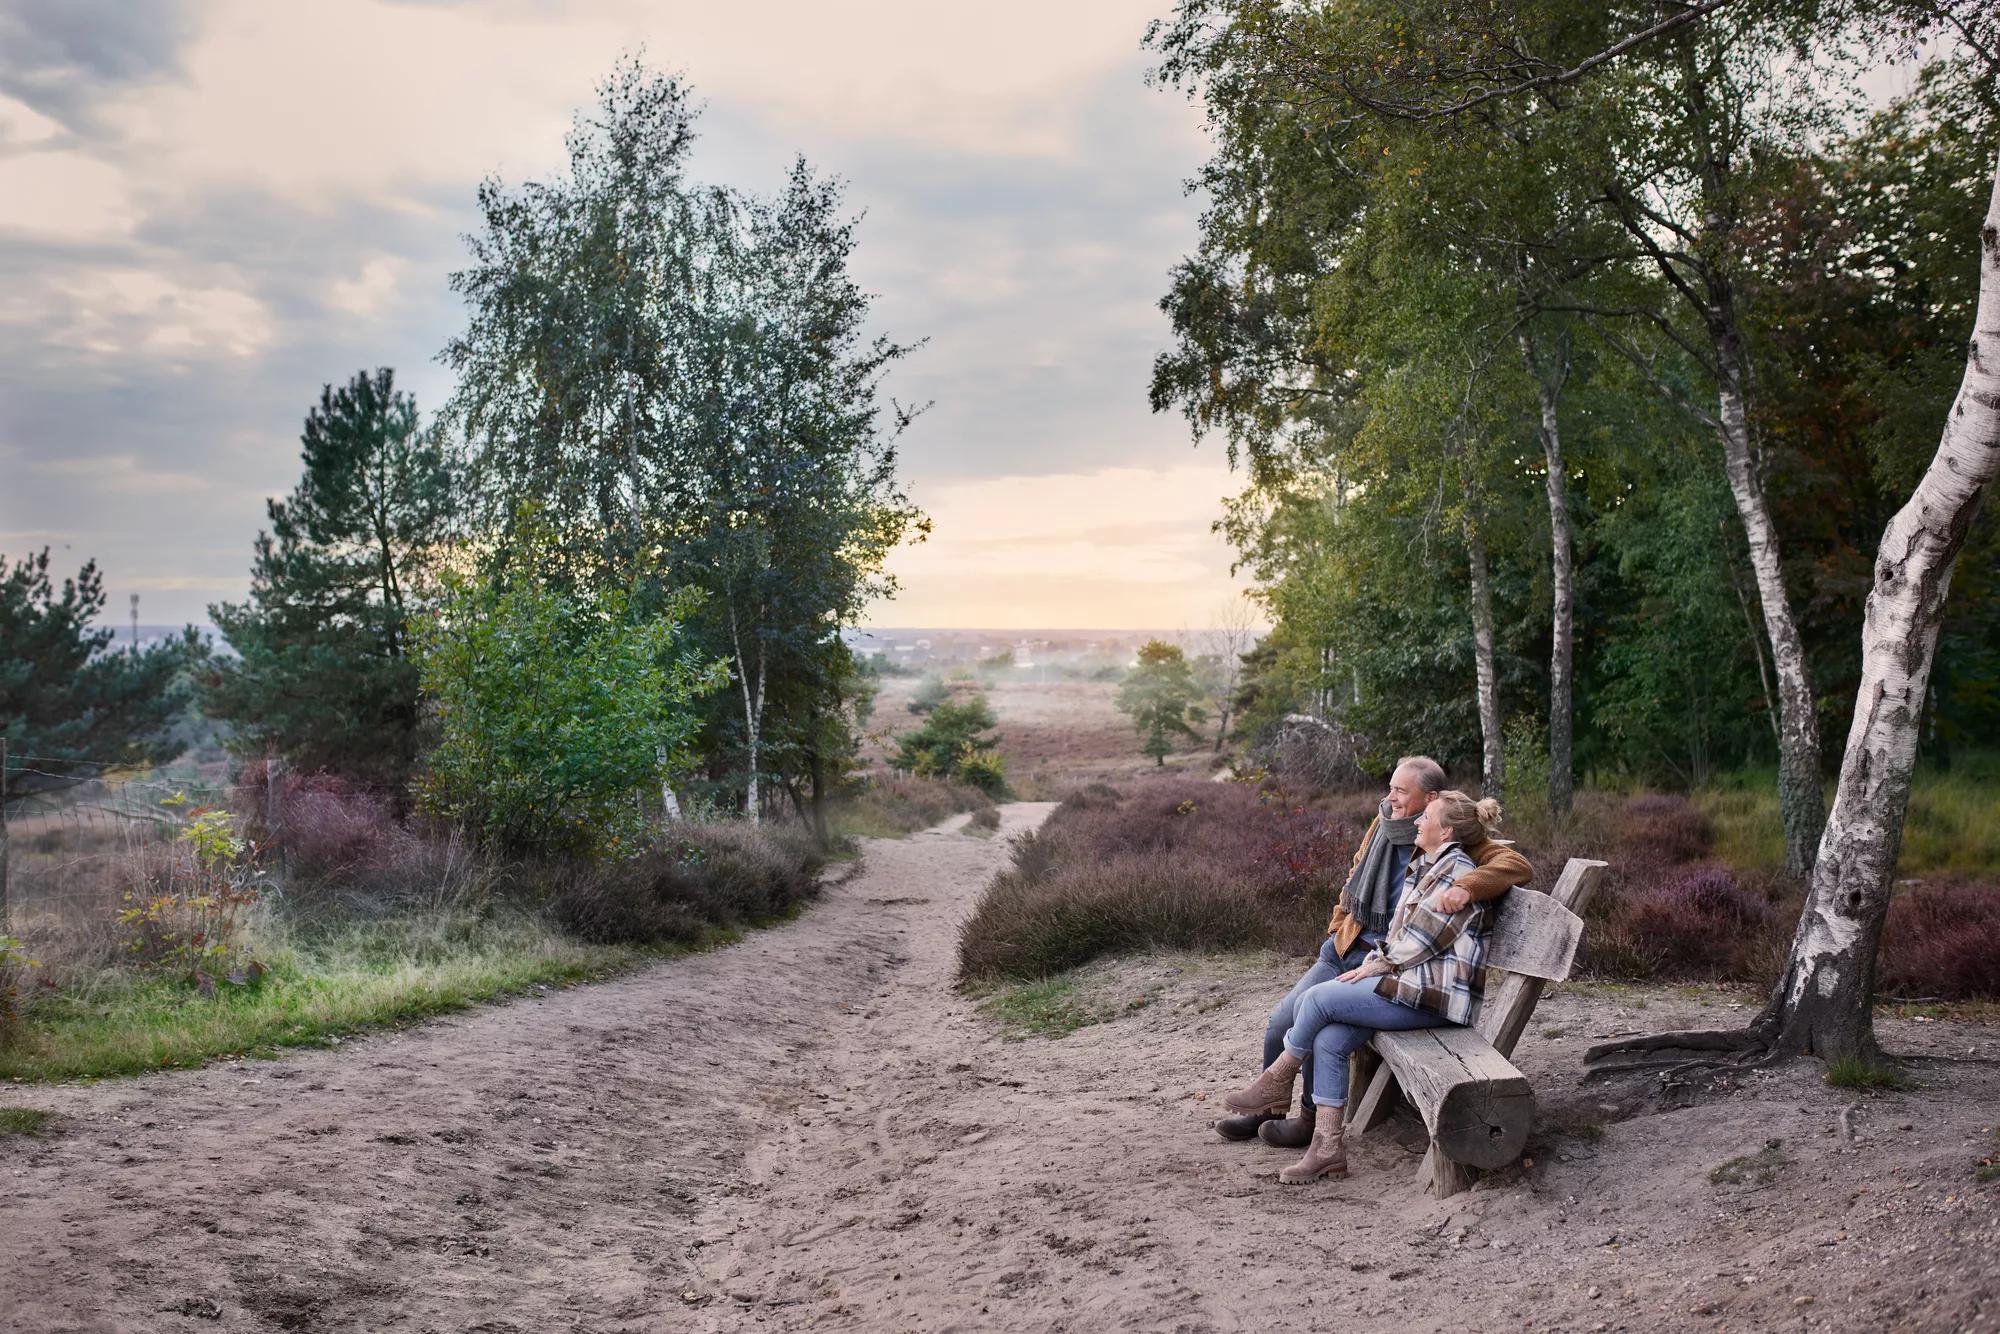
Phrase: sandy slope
x=813 y=1130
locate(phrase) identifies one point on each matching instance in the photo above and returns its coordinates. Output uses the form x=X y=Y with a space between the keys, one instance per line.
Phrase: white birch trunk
x=1493 y=750
x=753 y=716
x=1822 y=1004
x=1562 y=645
x=1800 y=804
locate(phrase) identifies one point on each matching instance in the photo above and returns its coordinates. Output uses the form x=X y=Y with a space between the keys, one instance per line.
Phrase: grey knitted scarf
x=1371 y=892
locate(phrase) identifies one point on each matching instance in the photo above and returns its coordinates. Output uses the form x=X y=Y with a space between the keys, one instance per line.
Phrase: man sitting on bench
x=1361 y=921
x=1424 y=974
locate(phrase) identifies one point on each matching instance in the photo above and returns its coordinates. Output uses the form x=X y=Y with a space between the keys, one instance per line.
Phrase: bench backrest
x=1534 y=934
x=1534 y=941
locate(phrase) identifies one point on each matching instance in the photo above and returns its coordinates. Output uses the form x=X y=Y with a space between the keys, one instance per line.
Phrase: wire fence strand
x=76 y=833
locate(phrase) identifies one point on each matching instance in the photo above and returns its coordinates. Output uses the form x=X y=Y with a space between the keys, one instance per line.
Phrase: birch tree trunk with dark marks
x=1821 y=1004
x=753 y=713
x=1800 y=804
x=1548 y=428
x=1492 y=749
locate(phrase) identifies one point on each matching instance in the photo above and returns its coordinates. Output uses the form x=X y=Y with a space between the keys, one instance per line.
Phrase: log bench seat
x=1476 y=1106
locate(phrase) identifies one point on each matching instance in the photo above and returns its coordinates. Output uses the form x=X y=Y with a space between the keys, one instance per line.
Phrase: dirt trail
x=812 y=1129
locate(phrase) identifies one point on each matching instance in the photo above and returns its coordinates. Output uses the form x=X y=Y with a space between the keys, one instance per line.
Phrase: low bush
x=1694 y=923
x=14 y=966
x=892 y=805
x=187 y=899
x=1942 y=939
x=1667 y=827
x=714 y=877
x=1164 y=865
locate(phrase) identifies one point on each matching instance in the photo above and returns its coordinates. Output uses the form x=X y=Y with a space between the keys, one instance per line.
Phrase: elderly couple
x=1403 y=951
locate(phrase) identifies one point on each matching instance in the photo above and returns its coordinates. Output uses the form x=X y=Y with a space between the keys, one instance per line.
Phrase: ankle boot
x=1248 y=1125
x=1270 y=1091
x=1291 y=1132
x=1326 y=1156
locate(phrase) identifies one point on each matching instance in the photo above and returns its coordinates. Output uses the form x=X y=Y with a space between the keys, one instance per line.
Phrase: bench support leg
x=1375 y=1104
x=1442 y=1177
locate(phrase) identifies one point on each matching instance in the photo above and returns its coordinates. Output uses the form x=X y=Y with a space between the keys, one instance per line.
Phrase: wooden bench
x=1477 y=1107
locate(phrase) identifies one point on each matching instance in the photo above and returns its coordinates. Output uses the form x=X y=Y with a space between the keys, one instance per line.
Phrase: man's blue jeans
x=1329 y=966
x=1334 y=1020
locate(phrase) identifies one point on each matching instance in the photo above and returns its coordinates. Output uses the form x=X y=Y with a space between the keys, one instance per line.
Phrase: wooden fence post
x=274 y=808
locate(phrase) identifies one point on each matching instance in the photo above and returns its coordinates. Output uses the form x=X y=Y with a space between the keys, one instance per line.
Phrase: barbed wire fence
x=72 y=831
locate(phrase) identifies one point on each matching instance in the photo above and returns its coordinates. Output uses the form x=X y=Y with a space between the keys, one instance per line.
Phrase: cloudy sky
x=209 y=208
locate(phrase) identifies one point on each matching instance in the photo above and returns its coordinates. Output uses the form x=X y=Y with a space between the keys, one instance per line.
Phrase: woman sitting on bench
x=1426 y=973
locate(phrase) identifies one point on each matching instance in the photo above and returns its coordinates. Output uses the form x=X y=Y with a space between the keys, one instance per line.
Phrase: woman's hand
x=1374 y=967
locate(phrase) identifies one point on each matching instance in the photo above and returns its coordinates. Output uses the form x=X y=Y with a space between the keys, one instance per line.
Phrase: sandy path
x=812 y=1130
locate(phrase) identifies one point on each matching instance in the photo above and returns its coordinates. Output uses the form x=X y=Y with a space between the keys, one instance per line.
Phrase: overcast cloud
x=208 y=209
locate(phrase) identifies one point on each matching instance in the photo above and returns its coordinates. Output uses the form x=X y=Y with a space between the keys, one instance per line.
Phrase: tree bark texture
x=1800 y=804
x=753 y=716
x=1562 y=645
x=1822 y=1004
x=1492 y=747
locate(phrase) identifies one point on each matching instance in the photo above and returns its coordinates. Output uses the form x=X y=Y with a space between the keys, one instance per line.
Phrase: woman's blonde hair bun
x=1469 y=822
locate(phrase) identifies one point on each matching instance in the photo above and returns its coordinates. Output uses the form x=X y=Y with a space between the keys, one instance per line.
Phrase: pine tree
x=63 y=696
x=323 y=671
x=1160 y=693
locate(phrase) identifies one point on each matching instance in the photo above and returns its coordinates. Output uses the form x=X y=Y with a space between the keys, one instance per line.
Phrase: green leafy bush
x=954 y=743
x=560 y=710
x=186 y=910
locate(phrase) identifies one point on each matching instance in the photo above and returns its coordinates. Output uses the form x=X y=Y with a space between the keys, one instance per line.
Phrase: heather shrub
x=1666 y=827
x=1165 y=865
x=723 y=875
x=1693 y=923
x=1942 y=939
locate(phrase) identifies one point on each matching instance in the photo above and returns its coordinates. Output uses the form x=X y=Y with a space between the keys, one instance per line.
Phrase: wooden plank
x=1509 y=1004
x=1535 y=935
x=1477 y=1106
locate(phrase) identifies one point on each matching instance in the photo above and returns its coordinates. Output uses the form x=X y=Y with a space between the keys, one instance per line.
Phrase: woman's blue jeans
x=1329 y=966
x=1333 y=1020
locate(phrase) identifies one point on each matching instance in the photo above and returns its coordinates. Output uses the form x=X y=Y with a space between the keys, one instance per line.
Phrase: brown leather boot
x=1248 y=1125
x=1326 y=1156
x=1270 y=1091
x=1290 y=1132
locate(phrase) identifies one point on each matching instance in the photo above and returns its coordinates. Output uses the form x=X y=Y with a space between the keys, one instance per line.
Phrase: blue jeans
x=1334 y=1020
x=1329 y=966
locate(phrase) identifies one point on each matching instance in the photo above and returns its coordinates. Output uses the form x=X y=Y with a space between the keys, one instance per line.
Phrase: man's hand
x=1451 y=900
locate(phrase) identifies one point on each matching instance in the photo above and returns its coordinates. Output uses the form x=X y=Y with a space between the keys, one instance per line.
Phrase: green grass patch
x=901 y=805
x=23 y=1121
x=1953 y=825
x=1051 y=1008
x=1854 y=1072
x=1760 y=1168
x=340 y=981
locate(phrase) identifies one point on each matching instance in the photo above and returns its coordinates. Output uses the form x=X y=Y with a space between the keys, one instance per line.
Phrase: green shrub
x=983 y=769
x=560 y=710
x=184 y=914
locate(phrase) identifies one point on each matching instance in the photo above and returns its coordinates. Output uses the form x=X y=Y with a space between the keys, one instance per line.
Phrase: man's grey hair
x=1427 y=771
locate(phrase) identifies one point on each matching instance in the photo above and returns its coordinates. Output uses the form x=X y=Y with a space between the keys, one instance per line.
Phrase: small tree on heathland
x=1160 y=694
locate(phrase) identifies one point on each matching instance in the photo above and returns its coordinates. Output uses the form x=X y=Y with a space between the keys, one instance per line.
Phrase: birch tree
x=1821 y=1006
